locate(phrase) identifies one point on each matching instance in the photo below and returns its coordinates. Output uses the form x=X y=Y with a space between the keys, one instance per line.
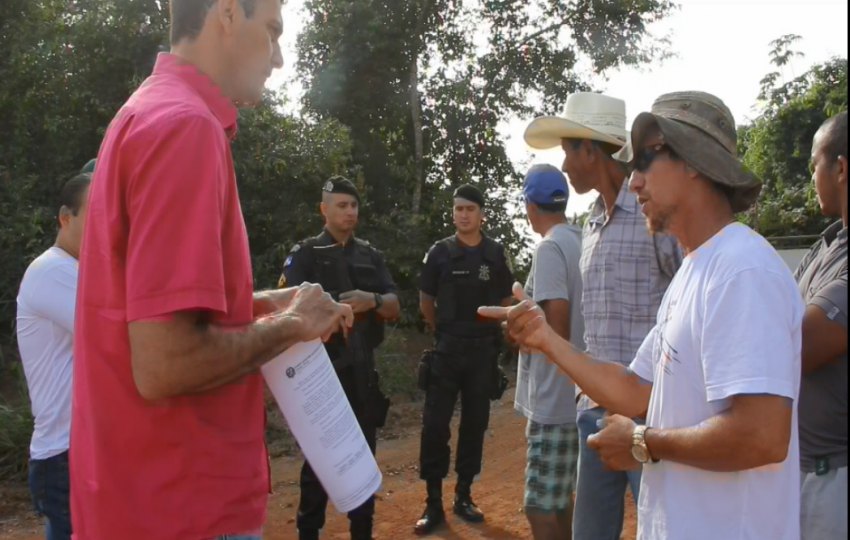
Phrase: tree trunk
x=416 y=117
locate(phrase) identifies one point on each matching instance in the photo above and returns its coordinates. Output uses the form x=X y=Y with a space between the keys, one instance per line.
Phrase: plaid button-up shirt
x=624 y=270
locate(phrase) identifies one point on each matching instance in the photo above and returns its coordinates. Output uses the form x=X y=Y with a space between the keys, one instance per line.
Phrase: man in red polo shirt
x=167 y=427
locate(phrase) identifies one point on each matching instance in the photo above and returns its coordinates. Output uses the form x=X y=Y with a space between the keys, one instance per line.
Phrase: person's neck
x=63 y=244
x=612 y=177
x=470 y=239
x=547 y=224
x=692 y=233
x=844 y=208
x=341 y=237
x=196 y=52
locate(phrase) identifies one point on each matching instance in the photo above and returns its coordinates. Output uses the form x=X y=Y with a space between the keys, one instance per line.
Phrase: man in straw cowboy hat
x=718 y=376
x=625 y=270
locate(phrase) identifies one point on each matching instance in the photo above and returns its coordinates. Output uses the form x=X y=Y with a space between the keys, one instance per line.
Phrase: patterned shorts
x=550 y=472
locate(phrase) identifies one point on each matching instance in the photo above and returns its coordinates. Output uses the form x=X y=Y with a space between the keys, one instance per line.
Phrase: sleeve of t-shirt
x=297 y=267
x=550 y=273
x=55 y=296
x=832 y=299
x=643 y=364
x=384 y=276
x=751 y=336
x=175 y=204
x=430 y=276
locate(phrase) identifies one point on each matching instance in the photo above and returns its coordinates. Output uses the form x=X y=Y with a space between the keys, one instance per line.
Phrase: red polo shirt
x=164 y=234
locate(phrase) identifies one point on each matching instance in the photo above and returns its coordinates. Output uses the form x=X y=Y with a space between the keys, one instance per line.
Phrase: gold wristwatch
x=639 y=450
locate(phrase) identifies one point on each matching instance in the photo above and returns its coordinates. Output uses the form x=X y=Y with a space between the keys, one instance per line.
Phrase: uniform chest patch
x=484 y=273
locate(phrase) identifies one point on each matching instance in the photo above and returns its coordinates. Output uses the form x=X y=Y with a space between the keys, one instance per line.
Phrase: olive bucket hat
x=700 y=128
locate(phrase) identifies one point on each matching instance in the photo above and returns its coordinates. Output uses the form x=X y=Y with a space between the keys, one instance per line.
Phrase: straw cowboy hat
x=700 y=128
x=588 y=115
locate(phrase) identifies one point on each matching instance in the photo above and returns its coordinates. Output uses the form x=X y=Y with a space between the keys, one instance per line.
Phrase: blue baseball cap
x=545 y=184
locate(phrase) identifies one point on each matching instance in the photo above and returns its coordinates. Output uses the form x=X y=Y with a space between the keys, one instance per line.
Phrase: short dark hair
x=187 y=17
x=71 y=196
x=552 y=208
x=834 y=136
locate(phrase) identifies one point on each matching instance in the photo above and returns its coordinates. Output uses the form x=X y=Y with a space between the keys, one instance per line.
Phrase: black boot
x=308 y=534
x=463 y=506
x=433 y=515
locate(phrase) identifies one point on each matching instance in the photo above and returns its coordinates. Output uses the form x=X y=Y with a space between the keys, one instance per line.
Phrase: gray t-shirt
x=822 y=412
x=544 y=394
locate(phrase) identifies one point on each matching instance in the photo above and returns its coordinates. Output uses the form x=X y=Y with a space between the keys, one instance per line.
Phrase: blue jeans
x=598 y=513
x=50 y=490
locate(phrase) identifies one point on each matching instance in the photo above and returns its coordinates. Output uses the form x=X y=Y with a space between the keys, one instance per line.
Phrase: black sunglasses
x=646 y=155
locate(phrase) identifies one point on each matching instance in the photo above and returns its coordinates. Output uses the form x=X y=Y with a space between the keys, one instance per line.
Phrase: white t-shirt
x=544 y=393
x=45 y=327
x=729 y=324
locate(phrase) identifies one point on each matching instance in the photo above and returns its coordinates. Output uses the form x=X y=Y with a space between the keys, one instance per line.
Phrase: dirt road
x=498 y=491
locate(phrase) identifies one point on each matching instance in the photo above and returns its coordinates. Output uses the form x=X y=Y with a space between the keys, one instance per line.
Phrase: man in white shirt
x=45 y=327
x=718 y=376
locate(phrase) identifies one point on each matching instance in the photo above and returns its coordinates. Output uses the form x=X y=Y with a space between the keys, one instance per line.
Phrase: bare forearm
x=266 y=302
x=717 y=444
x=613 y=386
x=429 y=312
x=390 y=307
x=215 y=356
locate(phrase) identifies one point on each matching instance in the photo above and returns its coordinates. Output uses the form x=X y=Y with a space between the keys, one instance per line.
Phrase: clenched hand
x=317 y=313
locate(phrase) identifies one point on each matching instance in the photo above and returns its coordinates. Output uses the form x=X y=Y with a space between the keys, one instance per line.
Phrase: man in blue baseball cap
x=544 y=395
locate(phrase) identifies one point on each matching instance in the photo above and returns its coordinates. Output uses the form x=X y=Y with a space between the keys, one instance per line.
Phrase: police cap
x=341 y=184
x=470 y=193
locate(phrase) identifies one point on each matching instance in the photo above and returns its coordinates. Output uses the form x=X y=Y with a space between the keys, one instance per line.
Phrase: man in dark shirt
x=822 y=276
x=354 y=273
x=461 y=273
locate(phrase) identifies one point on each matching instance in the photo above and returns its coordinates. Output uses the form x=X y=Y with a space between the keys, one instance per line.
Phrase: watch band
x=639 y=439
x=379 y=301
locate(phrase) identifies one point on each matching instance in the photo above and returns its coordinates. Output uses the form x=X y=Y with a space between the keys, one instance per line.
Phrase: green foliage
x=777 y=146
x=14 y=440
x=281 y=163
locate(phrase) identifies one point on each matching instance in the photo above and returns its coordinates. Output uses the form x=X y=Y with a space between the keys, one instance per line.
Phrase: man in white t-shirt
x=544 y=394
x=718 y=377
x=45 y=328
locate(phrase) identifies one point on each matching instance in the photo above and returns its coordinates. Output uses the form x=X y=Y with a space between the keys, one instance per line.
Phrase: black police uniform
x=357 y=265
x=461 y=279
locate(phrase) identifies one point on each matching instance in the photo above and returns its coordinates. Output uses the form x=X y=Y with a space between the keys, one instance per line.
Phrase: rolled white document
x=309 y=394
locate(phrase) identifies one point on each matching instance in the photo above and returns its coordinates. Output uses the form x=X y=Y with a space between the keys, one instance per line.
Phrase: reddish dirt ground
x=498 y=491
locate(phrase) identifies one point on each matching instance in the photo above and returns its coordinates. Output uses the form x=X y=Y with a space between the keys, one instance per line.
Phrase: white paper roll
x=309 y=394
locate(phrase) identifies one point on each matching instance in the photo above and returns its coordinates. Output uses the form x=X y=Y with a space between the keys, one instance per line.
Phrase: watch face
x=640 y=453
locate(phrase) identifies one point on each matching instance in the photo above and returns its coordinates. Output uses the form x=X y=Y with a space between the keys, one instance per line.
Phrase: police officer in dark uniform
x=461 y=273
x=354 y=273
